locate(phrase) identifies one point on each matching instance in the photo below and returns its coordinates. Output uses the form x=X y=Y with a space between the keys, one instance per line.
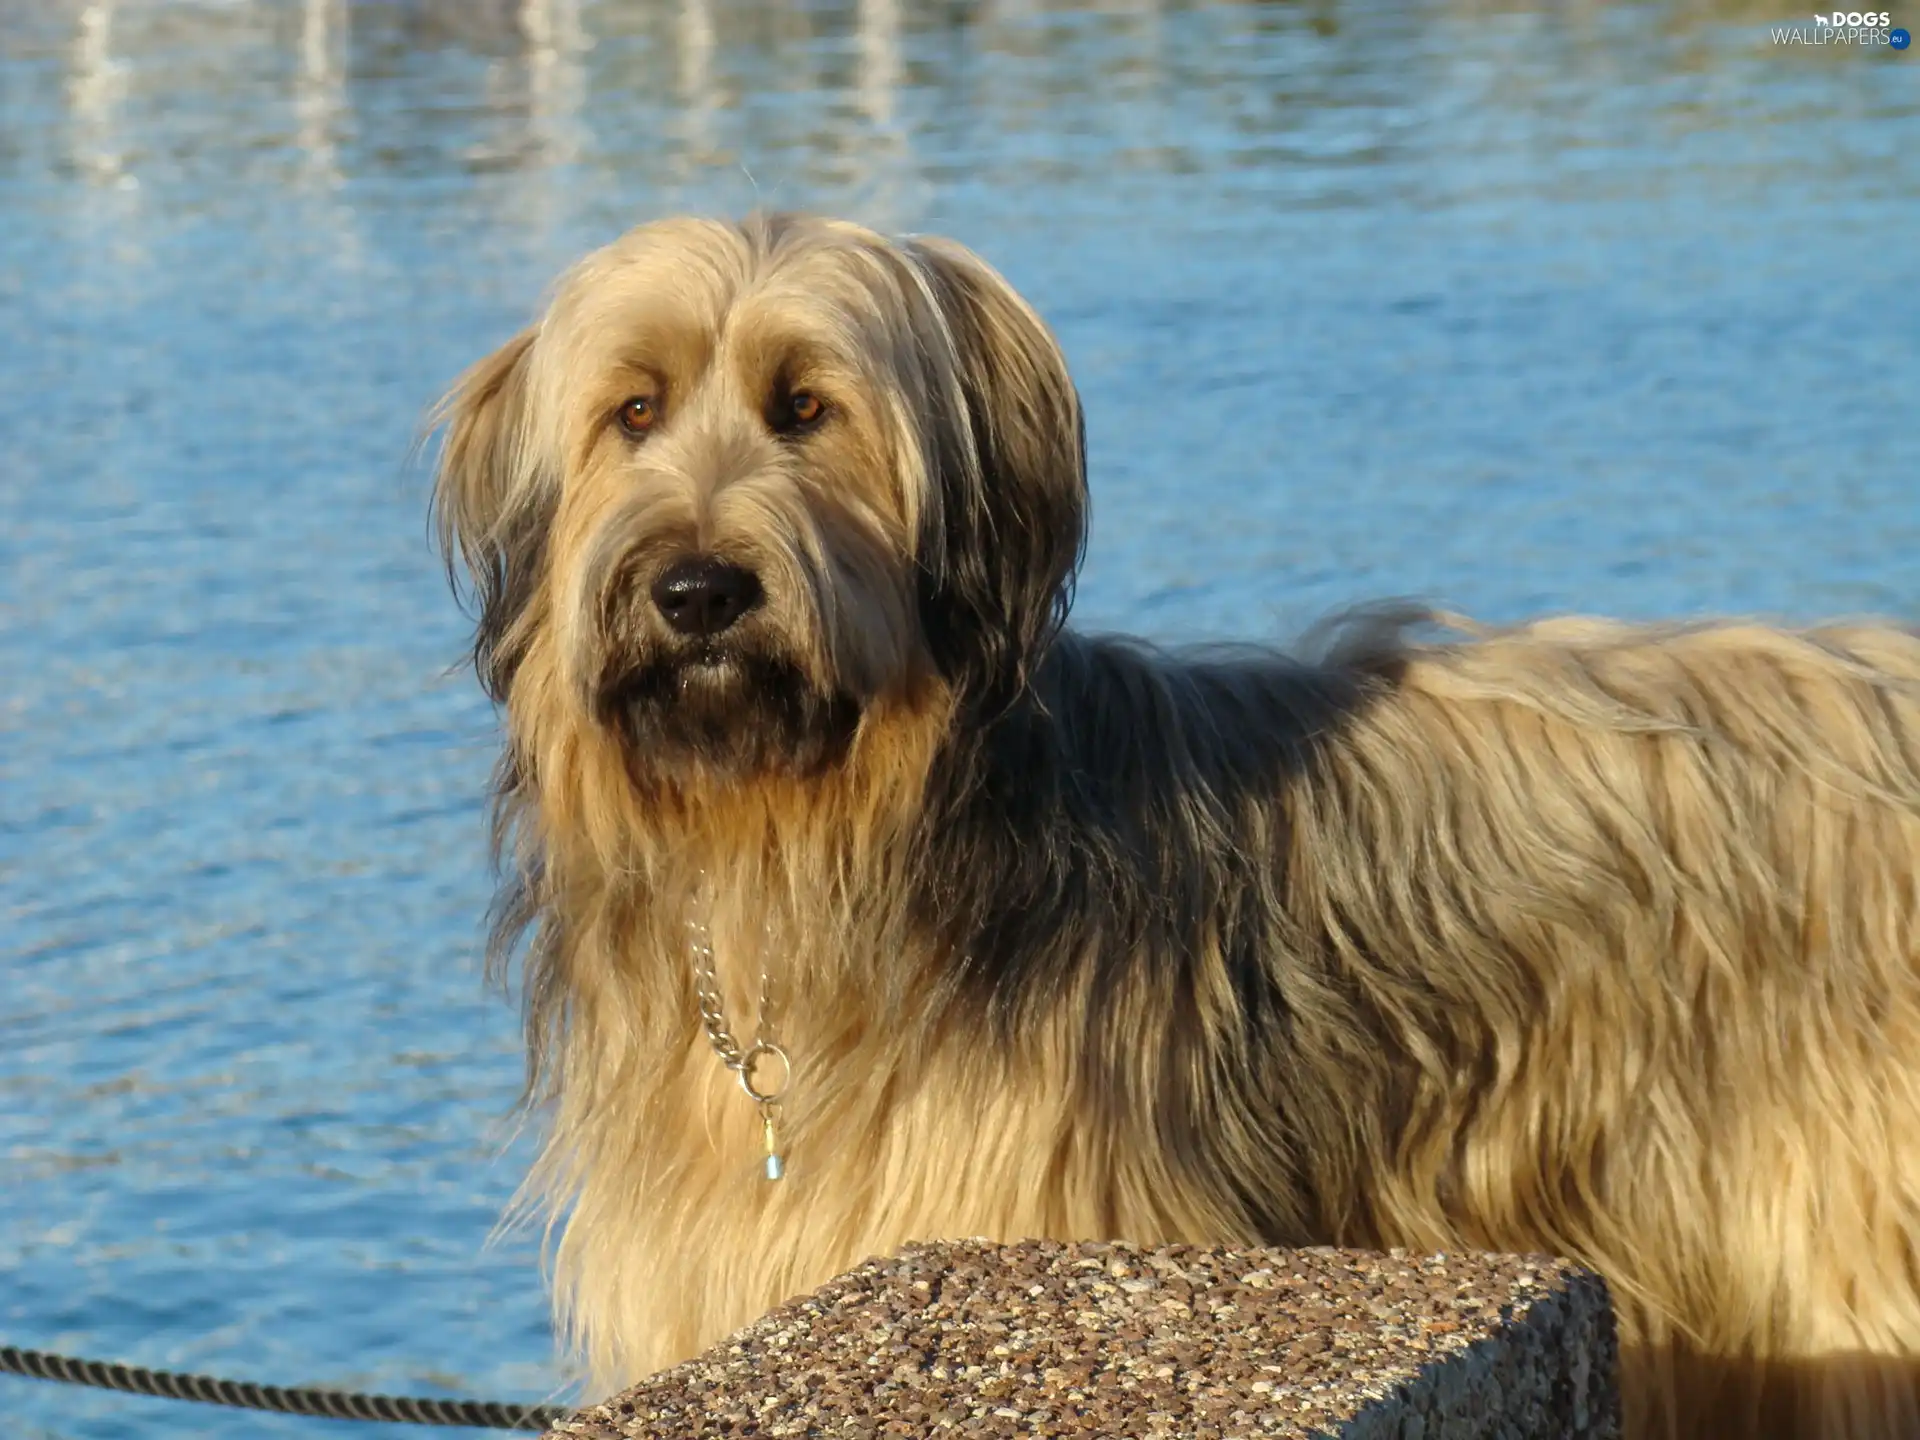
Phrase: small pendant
x=775 y=1167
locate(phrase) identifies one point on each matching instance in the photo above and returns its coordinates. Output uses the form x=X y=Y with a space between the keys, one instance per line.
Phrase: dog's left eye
x=802 y=409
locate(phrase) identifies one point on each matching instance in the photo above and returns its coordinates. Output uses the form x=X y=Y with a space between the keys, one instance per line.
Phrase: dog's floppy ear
x=1009 y=513
x=490 y=504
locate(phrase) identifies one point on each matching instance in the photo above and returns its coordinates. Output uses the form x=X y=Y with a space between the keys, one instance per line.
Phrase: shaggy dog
x=1581 y=938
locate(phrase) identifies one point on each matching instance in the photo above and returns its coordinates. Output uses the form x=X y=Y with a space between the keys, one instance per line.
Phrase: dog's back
x=1639 y=911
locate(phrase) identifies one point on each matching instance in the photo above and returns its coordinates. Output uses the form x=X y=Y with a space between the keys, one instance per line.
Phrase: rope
x=328 y=1404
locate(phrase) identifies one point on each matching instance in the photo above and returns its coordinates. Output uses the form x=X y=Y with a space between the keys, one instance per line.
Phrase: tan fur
x=1582 y=938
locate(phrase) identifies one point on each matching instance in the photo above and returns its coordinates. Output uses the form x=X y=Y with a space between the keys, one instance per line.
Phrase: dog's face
x=750 y=485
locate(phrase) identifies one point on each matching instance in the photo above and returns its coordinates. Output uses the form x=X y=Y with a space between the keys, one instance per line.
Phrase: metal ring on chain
x=760 y=1051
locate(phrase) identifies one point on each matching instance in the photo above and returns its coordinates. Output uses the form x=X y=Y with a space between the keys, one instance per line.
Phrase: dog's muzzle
x=691 y=671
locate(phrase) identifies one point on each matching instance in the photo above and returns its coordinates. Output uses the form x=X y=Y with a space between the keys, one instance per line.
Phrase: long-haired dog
x=1581 y=938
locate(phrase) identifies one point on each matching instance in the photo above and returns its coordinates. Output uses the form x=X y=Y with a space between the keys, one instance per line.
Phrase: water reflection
x=109 y=230
x=96 y=85
x=320 y=91
x=322 y=122
x=842 y=93
x=699 y=102
x=556 y=78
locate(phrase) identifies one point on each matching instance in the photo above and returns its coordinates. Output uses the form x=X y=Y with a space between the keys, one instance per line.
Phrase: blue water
x=1600 y=308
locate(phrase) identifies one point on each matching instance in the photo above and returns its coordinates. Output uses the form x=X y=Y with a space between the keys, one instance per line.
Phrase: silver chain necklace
x=743 y=1062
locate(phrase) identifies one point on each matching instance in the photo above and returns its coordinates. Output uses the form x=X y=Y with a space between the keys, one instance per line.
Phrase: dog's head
x=745 y=485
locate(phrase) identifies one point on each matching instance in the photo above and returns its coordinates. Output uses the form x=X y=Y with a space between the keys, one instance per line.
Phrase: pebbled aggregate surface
x=1044 y=1338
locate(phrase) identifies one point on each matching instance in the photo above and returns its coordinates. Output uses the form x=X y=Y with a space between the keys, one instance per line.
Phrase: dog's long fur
x=1582 y=938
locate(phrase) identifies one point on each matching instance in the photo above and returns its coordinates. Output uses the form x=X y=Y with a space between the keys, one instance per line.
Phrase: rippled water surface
x=1600 y=308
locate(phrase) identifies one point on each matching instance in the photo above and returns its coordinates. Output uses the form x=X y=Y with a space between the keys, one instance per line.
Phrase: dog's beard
x=733 y=710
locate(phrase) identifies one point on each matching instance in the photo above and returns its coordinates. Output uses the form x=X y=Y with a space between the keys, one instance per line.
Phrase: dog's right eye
x=637 y=415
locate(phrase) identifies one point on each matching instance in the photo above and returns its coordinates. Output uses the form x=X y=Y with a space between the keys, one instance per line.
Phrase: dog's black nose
x=704 y=596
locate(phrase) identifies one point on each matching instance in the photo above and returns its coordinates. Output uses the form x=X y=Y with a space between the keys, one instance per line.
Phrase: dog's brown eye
x=638 y=415
x=805 y=407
